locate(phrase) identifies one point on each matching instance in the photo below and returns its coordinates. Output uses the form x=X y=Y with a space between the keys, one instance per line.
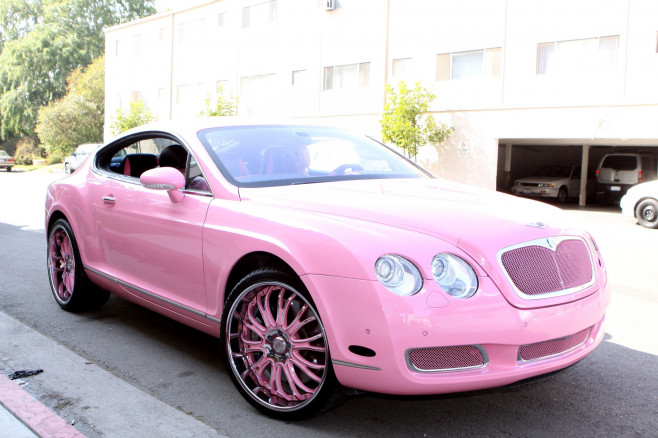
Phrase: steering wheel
x=347 y=169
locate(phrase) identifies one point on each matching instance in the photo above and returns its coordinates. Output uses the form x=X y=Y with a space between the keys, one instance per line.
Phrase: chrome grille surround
x=553 y=347
x=548 y=267
x=446 y=359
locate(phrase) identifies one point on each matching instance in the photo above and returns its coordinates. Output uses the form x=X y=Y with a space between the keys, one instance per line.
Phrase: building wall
x=597 y=84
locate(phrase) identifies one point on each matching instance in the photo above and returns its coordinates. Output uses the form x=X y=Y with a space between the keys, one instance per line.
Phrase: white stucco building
x=523 y=82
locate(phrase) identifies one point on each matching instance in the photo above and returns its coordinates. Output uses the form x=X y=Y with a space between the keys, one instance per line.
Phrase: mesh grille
x=446 y=358
x=553 y=347
x=537 y=270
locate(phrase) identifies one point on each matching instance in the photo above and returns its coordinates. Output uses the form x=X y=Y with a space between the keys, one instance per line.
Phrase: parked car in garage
x=324 y=260
x=81 y=153
x=6 y=161
x=552 y=181
x=618 y=172
x=641 y=202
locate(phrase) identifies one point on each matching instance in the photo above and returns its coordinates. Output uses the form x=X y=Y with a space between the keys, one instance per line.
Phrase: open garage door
x=560 y=168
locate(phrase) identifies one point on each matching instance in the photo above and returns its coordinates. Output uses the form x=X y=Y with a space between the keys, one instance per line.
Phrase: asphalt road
x=612 y=393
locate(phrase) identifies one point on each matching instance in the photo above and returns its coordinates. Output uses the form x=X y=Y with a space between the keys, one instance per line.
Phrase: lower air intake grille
x=553 y=347
x=446 y=358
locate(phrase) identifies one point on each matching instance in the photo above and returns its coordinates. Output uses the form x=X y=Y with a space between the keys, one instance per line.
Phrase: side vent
x=362 y=351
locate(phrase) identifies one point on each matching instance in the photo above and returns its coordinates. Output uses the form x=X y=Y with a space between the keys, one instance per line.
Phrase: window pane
x=468 y=64
x=443 y=67
x=608 y=52
x=545 y=58
x=346 y=76
x=364 y=74
x=328 y=78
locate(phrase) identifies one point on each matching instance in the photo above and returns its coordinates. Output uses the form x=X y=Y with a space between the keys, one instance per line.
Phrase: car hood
x=462 y=215
x=540 y=179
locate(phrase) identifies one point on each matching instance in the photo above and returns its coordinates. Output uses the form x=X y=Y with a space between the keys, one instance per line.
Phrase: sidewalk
x=22 y=416
x=90 y=402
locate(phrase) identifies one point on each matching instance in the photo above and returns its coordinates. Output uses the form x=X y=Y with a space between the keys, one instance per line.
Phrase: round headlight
x=398 y=274
x=454 y=275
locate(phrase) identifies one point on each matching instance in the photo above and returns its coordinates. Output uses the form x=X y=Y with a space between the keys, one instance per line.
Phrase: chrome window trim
x=480 y=348
x=550 y=243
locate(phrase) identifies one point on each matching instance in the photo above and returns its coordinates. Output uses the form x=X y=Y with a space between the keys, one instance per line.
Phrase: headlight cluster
x=453 y=275
x=546 y=185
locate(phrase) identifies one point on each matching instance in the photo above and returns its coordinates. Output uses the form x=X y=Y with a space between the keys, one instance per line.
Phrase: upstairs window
x=349 y=76
x=578 y=56
x=469 y=64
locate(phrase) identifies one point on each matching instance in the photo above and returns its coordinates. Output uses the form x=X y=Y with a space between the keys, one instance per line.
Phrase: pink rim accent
x=62 y=264
x=278 y=346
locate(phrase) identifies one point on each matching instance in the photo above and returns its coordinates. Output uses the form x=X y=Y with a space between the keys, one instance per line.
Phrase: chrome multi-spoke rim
x=61 y=264
x=277 y=346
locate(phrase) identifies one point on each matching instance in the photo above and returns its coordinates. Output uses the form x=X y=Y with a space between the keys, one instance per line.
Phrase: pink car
x=325 y=261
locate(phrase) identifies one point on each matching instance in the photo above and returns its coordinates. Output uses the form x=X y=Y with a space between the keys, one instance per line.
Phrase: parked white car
x=81 y=152
x=552 y=181
x=641 y=202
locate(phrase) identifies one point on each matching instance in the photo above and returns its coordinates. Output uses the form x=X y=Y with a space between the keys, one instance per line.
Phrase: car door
x=152 y=245
x=574 y=181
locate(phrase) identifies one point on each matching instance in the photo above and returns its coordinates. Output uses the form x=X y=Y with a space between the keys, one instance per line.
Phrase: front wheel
x=276 y=348
x=647 y=213
x=562 y=195
x=68 y=282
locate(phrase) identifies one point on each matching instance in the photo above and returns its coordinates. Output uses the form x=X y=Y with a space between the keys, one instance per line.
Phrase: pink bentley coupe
x=325 y=262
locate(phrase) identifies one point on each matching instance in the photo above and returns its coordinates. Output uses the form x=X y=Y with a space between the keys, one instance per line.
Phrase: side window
x=135 y=158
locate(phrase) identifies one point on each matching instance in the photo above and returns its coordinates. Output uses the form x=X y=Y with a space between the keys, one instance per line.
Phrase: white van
x=618 y=172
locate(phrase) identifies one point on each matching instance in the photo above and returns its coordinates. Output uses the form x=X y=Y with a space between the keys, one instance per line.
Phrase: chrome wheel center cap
x=279 y=345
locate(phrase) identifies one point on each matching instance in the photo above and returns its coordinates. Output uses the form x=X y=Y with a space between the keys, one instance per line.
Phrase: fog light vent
x=455 y=358
x=545 y=349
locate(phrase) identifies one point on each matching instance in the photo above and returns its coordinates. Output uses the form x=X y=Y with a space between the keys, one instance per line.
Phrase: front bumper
x=540 y=192
x=361 y=316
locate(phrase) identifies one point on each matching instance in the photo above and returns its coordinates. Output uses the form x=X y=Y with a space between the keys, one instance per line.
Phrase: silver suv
x=618 y=172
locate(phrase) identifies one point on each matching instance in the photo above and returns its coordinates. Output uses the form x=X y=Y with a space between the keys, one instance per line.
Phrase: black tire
x=69 y=284
x=647 y=213
x=562 y=195
x=278 y=359
x=9 y=169
x=67 y=168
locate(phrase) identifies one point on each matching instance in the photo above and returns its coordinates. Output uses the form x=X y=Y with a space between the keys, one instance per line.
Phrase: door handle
x=109 y=201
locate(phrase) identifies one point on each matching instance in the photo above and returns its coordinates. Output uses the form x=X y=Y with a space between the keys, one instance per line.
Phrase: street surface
x=146 y=357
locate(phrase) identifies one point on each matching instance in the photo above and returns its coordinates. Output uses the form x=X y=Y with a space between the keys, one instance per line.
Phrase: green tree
x=224 y=105
x=78 y=117
x=405 y=121
x=42 y=42
x=137 y=115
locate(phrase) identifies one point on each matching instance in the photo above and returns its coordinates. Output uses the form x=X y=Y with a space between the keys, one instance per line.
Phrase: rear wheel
x=647 y=213
x=276 y=348
x=70 y=286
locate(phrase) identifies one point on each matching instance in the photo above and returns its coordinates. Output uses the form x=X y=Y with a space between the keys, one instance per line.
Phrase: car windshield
x=555 y=171
x=260 y=156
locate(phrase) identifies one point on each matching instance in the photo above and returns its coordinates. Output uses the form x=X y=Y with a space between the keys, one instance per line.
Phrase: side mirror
x=164 y=178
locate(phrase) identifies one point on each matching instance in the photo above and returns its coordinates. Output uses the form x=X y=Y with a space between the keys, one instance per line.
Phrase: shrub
x=26 y=151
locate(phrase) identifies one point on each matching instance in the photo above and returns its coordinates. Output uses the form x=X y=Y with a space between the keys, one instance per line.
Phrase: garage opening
x=552 y=171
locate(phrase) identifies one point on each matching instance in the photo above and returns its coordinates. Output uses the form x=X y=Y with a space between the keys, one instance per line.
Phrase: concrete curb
x=35 y=416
